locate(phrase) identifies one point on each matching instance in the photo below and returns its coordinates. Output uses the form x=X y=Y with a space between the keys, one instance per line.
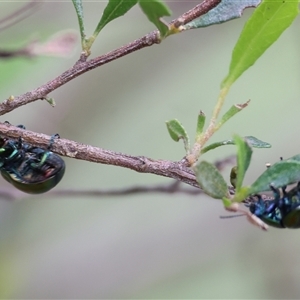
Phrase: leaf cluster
x=262 y=29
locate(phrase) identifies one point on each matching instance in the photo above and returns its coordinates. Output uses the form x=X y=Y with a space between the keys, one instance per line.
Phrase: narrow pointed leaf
x=200 y=124
x=114 y=9
x=280 y=174
x=155 y=10
x=225 y=11
x=234 y=109
x=244 y=153
x=79 y=11
x=262 y=29
x=210 y=180
x=251 y=140
x=216 y=145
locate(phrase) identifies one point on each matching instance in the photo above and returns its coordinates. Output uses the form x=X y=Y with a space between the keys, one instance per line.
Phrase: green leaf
x=216 y=145
x=200 y=124
x=256 y=143
x=114 y=9
x=280 y=174
x=251 y=140
x=79 y=11
x=177 y=132
x=262 y=29
x=244 y=153
x=154 y=10
x=210 y=180
x=51 y=101
x=223 y=12
x=234 y=109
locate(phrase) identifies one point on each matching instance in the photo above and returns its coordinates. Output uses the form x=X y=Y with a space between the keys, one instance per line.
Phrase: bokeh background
x=151 y=245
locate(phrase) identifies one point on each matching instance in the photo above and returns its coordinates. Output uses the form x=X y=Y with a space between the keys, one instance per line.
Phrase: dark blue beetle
x=30 y=169
x=281 y=212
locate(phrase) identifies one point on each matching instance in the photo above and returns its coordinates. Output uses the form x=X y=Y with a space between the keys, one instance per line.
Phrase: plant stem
x=211 y=129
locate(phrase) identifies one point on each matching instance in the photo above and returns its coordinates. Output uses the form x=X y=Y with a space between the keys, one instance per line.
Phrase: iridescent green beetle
x=30 y=169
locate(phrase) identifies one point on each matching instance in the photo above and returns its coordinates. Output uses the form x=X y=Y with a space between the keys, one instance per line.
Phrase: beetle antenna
x=229 y=217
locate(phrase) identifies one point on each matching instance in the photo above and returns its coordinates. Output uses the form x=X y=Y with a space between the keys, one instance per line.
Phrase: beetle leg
x=46 y=153
x=276 y=192
x=20 y=143
x=52 y=139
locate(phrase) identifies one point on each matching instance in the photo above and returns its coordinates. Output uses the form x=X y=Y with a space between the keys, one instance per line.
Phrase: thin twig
x=196 y=12
x=14 y=53
x=84 y=66
x=174 y=187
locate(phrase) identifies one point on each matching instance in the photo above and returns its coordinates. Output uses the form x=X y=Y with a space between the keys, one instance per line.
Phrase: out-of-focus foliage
x=223 y=12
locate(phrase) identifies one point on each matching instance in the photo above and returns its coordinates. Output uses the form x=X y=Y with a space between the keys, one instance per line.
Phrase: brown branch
x=172 y=169
x=83 y=66
x=196 y=12
x=142 y=164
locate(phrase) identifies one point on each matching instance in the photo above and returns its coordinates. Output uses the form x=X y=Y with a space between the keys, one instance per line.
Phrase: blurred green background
x=152 y=245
